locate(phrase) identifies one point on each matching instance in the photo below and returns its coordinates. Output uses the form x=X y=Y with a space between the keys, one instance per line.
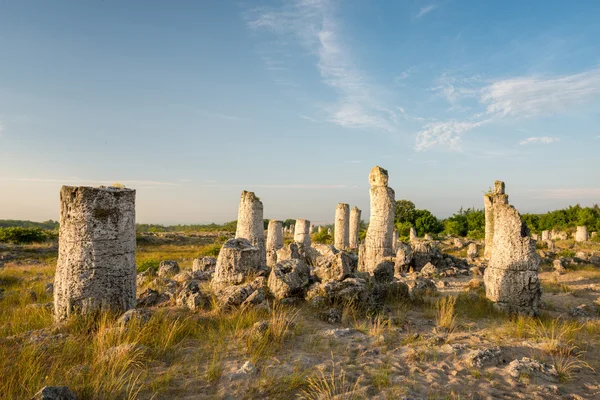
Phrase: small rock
x=168 y=268
x=485 y=356
x=55 y=393
x=532 y=368
x=134 y=314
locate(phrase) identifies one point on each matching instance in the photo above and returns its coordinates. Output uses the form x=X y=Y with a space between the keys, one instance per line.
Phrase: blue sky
x=191 y=102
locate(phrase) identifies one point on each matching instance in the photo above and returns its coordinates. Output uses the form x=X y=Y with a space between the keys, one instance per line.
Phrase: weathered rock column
x=274 y=241
x=545 y=235
x=511 y=278
x=582 y=234
x=378 y=247
x=342 y=226
x=96 y=251
x=354 y=228
x=302 y=232
x=250 y=224
x=237 y=261
x=395 y=240
x=413 y=233
x=489 y=199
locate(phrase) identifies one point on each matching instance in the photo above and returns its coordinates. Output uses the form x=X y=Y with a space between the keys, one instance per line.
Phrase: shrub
x=20 y=235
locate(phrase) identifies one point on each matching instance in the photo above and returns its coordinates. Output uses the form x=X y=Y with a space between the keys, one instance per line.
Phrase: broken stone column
x=545 y=235
x=342 y=226
x=302 y=232
x=489 y=199
x=250 y=224
x=413 y=233
x=582 y=234
x=395 y=240
x=378 y=247
x=511 y=278
x=472 y=251
x=274 y=241
x=354 y=228
x=237 y=261
x=96 y=251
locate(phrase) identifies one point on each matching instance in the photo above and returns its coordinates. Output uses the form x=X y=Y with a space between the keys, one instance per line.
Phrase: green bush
x=322 y=237
x=20 y=235
x=147 y=264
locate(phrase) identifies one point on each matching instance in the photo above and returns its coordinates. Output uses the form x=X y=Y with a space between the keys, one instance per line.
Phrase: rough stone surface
x=288 y=252
x=335 y=267
x=472 y=251
x=342 y=226
x=302 y=232
x=403 y=258
x=545 y=235
x=532 y=368
x=167 y=268
x=582 y=234
x=237 y=260
x=511 y=279
x=274 y=241
x=395 y=240
x=191 y=296
x=96 y=257
x=378 y=246
x=289 y=278
x=429 y=270
x=353 y=241
x=204 y=264
x=559 y=268
x=250 y=224
x=482 y=357
x=489 y=199
x=54 y=393
x=558 y=235
x=413 y=234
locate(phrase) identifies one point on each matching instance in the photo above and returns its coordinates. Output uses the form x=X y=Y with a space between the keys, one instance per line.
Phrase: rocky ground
x=438 y=339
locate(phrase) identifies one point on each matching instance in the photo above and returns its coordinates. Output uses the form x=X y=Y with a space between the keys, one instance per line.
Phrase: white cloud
x=540 y=139
x=306 y=117
x=531 y=96
x=446 y=134
x=312 y=24
x=426 y=10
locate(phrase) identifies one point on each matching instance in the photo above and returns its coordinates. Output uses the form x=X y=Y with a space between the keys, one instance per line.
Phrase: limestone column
x=545 y=235
x=274 y=241
x=582 y=234
x=511 y=278
x=250 y=224
x=378 y=246
x=354 y=228
x=302 y=232
x=96 y=251
x=395 y=240
x=342 y=226
x=489 y=199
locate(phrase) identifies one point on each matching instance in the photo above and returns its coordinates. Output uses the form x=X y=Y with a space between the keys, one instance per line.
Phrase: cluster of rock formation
x=511 y=278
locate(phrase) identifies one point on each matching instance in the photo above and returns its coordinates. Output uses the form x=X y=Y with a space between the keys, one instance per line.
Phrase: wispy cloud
x=426 y=10
x=306 y=117
x=522 y=97
x=540 y=139
x=313 y=25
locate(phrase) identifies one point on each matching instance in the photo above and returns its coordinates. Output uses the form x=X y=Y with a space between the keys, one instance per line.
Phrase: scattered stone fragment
x=532 y=368
x=335 y=267
x=237 y=260
x=204 y=264
x=54 y=393
x=168 y=268
x=472 y=251
x=96 y=252
x=151 y=298
x=142 y=316
x=429 y=270
x=559 y=268
x=486 y=356
x=192 y=297
x=289 y=278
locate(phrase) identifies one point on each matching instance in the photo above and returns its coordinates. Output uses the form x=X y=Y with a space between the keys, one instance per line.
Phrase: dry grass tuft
x=445 y=313
x=329 y=386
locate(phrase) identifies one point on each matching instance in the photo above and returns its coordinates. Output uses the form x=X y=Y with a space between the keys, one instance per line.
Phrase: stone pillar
x=250 y=224
x=342 y=226
x=511 y=278
x=395 y=240
x=302 y=232
x=274 y=241
x=582 y=234
x=354 y=228
x=545 y=235
x=96 y=251
x=413 y=233
x=489 y=199
x=237 y=261
x=378 y=246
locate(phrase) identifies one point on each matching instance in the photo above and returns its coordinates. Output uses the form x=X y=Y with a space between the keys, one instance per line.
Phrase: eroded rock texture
x=511 y=279
x=342 y=226
x=274 y=241
x=489 y=199
x=237 y=261
x=250 y=223
x=378 y=247
x=96 y=256
x=302 y=232
x=354 y=228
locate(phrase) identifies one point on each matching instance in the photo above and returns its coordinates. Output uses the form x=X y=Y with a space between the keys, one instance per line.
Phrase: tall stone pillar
x=511 y=278
x=302 y=232
x=413 y=233
x=342 y=226
x=489 y=199
x=378 y=246
x=274 y=241
x=96 y=251
x=250 y=224
x=582 y=234
x=354 y=228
